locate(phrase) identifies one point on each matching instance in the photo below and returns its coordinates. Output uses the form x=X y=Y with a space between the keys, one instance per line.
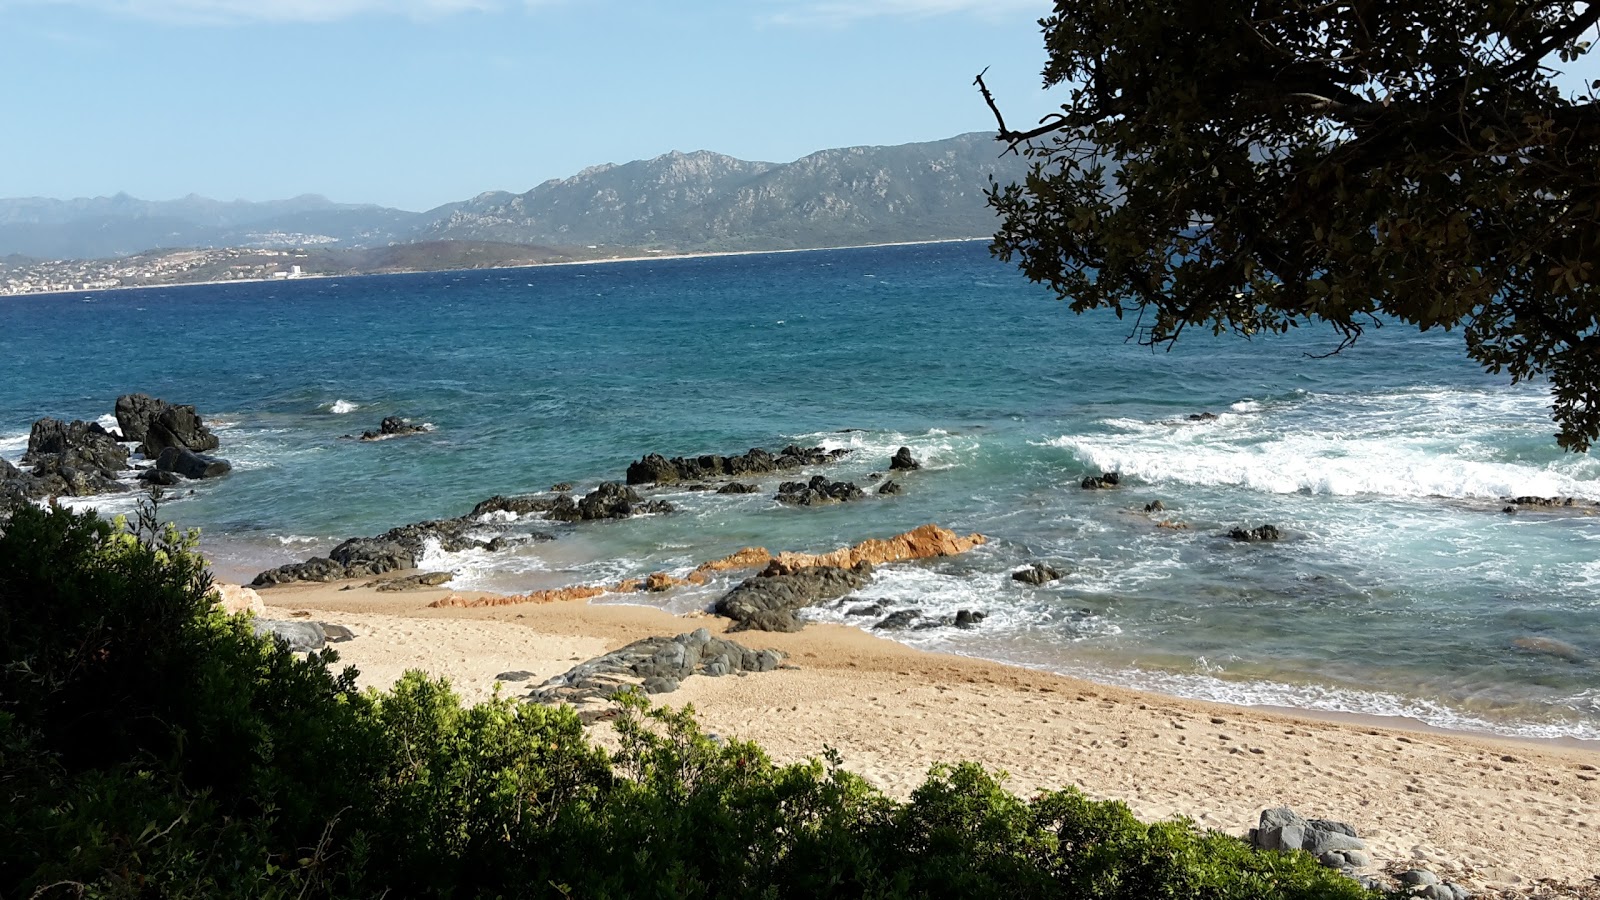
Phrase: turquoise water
x=1399 y=589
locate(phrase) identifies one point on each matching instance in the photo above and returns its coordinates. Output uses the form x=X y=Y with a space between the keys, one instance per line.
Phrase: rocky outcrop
x=189 y=464
x=418 y=582
x=1551 y=502
x=364 y=557
x=1036 y=574
x=519 y=506
x=738 y=487
x=391 y=427
x=1256 y=535
x=770 y=601
x=1101 y=482
x=925 y=542
x=889 y=487
x=819 y=491
x=914 y=620
x=576 y=592
x=657 y=469
x=608 y=501
x=76 y=459
x=902 y=461
x=1203 y=417
x=655 y=665
x=157 y=425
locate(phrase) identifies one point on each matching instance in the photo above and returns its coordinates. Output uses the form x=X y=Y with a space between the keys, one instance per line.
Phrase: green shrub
x=152 y=747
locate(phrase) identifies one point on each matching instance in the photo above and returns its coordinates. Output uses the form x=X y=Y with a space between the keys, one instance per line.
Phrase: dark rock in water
x=657 y=469
x=902 y=460
x=160 y=477
x=507 y=541
x=157 y=425
x=867 y=609
x=739 y=487
x=57 y=476
x=966 y=618
x=610 y=500
x=1155 y=506
x=1551 y=502
x=899 y=621
x=819 y=491
x=1256 y=535
x=770 y=600
x=1036 y=574
x=190 y=464
x=655 y=665
x=300 y=636
x=1203 y=417
x=1104 y=481
x=76 y=458
x=393 y=426
x=875 y=476
x=889 y=487
x=521 y=506
x=561 y=487
x=701 y=487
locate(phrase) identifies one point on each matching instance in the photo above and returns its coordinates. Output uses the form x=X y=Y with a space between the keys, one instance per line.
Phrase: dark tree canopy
x=1252 y=165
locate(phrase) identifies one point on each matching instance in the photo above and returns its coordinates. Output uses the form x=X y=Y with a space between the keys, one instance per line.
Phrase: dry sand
x=1488 y=813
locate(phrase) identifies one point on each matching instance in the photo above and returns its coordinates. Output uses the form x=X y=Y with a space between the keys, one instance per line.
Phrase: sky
x=416 y=103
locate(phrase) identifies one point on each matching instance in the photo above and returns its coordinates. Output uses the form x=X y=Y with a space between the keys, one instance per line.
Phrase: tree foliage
x=1252 y=165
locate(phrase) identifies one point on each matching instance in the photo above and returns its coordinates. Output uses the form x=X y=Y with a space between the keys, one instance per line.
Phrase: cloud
x=844 y=12
x=232 y=12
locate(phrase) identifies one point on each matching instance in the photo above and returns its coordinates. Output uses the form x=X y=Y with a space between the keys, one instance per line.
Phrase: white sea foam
x=1408 y=444
x=340 y=407
x=935 y=448
x=13 y=444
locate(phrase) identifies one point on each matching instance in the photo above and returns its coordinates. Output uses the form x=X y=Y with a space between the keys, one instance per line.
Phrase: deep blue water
x=1400 y=588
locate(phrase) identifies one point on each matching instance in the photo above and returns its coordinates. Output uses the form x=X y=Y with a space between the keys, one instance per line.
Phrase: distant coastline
x=631 y=258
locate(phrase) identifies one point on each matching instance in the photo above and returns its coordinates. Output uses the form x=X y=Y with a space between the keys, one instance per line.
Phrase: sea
x=1400 y=587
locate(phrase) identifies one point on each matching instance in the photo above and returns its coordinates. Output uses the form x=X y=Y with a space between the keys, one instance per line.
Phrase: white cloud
x=229 y=12
x=843 y=12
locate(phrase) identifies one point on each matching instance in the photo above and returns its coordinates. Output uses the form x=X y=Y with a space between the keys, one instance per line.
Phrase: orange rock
x=661 y=581
x=919 y=543
x=236 y=599
x=748 y=558
x=576 y=592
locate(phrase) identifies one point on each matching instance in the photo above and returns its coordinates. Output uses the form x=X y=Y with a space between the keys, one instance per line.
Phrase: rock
x=655 y=665
x=1283 y=829
x=519 y=506
x=1417 y=877
x=1551 y=502
x=1036 y=574
x=391 y=427
x=561 y=487
x=658 y=582
x=738 y=487
x=515 y=675
x=74 y=458
x=898 y=621
x=156 y=476
x=299 y=636
x=867 y=609
x=1256 y=535
x=889 y=487
x=1319 y=840
x=1548 y=647
x=608 y=501
x=1104 y=481
x=966 y=618
x=1155 y=506
x=769 y=601
x=1203 y=417
x=234 y=599
x=1356 y=858
x=337 y=634
x=417 y=582
x=923 y=542
x=657 y=469
x=157 y=425
x=902 y=461
x=819 y=491
x=189 y=464
x=1333 y=859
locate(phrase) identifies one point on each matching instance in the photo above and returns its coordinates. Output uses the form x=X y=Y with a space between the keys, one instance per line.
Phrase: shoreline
x=1485 y=810
x=709 y=254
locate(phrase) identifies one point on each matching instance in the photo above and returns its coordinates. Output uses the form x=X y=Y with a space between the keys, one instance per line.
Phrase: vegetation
x=1257 y=165
x=152 y=747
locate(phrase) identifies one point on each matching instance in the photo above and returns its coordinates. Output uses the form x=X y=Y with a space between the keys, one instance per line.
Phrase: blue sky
x=414 y=103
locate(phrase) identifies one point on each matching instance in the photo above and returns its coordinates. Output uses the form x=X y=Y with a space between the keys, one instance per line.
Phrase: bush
x=152 y=747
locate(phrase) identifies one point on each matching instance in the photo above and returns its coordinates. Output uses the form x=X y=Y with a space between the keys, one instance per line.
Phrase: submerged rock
x=819 y=491
x=393 y=426
x=738 y=487
x=1548 y=647
x=1036 y=574
x=902 y=460
x=657 y=469
x=1256 y=535
x=1104 y=481
x=889 y=487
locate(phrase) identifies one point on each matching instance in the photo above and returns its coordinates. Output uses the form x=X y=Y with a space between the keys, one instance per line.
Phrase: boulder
x=902 y=460
x=738 y=487
x=656 y=665
x=157 y=425
x=1155 y=506
x=1256 y=535
x=899 y=621
x=189 y=464
x=819 y=491
x=234 y=599
x=56 y=448
x=300 y=637
x=561 y=487
x=967 y=618
x=657 y=469
x=1283 y=829
x=889 y=487
x=1036 y=574
x=770 y=600
x=156 y=476
x=1104 y=481
x=393 y=426
x=134 y=413
x=610 y=500
x=1203 y=417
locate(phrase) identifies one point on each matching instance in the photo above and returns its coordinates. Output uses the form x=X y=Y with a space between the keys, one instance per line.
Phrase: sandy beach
x=1502 y=817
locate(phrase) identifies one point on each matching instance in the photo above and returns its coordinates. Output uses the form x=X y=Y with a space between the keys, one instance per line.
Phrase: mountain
x=707 y=201
x=682 y=202
x=121 y=225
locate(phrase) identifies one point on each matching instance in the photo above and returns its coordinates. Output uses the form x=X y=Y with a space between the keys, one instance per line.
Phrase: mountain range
x=680 y=202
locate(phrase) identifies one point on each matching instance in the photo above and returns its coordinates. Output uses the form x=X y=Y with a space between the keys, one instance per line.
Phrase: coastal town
x=157 y=267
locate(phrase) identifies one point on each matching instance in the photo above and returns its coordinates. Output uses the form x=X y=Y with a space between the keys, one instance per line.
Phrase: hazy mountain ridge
x=699 y=201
